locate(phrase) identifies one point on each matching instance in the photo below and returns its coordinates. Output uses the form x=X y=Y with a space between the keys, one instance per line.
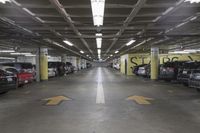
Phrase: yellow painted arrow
x=140 y=99
x=56 y=100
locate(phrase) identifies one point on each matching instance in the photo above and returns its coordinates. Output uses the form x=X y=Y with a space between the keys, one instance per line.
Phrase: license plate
x=26 y=81
x=9 y=79
x=184 y=72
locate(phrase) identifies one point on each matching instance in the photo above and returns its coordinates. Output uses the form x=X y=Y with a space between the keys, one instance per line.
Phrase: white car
x=51 y=72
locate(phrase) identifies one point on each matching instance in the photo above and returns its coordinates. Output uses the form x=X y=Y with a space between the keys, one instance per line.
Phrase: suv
x=169 y=70
x=185 y=72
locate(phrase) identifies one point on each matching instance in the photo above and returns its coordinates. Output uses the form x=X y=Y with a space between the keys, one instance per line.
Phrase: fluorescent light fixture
x=192 y=1
x=99 y=51
x=21 y=53
x=28 y=11
x=42 y=21
x=6 y=58
x=179 y=52
x=7 y=51
x=31 y=55
x=193 y=18
x=155 y=20
x=98 y=7
x=130 y=42
x=68 y=42
x=82 y=52
x=116 y=52
x=4 y=1
x=168 y=10
x=99 y=40
x=181 y=24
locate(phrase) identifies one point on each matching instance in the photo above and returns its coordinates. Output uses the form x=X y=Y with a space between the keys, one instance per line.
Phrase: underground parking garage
x=99 y=66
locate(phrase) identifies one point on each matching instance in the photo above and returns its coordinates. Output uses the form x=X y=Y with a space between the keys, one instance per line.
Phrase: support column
x=44 y=64
x=154 y=63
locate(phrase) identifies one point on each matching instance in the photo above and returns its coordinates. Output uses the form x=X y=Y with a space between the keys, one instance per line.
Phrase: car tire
x=1 y=93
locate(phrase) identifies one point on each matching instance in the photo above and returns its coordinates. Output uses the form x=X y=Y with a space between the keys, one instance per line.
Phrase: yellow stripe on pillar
x=43 y=65
x=154 y=63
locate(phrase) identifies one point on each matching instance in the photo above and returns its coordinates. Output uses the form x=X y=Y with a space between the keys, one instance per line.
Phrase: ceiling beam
x=67 y=18
x=132 y=15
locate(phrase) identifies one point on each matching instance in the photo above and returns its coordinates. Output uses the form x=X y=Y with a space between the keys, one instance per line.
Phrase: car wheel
x=3 y=92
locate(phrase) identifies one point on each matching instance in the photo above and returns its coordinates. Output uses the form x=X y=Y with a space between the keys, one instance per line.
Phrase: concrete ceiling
x=149 y=22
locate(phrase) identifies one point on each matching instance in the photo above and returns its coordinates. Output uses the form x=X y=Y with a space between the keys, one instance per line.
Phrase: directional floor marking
x=140 y=100
x=100 y=98
x=53 y=101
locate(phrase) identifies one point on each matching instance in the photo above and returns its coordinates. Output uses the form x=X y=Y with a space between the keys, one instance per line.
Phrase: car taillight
x=170 y=69
x=2 y=77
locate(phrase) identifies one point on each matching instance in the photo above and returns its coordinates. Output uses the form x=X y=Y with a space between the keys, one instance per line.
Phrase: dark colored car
x=23 y=77
x=185 y=72
x=136 y=68
x=88 y=65
x=8 y=81
x=169 y=70
x=195 y=79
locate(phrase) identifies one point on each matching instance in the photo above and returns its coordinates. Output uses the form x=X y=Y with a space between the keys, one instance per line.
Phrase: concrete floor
x=175 y=109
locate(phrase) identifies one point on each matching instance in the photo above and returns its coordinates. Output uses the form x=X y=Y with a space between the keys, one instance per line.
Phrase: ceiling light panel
x=99 y=40
x=192 y=1
x=98 y=7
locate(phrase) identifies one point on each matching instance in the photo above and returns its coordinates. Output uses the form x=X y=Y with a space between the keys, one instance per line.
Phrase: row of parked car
x=185 y=72
x=14 y=75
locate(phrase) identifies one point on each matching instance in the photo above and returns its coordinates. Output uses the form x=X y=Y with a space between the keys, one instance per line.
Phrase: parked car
x=23 y=77
x=136 y=68
x=194 y=80
x=56 y=69
x=8 y=81
x=88 y=65
x=169 y=70
x=69 y=68
x=144 y=71
x=51 y=72
x=186 y=71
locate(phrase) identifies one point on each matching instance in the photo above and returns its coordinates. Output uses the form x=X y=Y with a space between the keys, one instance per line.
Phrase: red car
x=23 y=77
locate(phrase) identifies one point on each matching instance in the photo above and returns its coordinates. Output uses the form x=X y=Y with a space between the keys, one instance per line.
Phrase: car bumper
x=5 y=88
x=194 y=84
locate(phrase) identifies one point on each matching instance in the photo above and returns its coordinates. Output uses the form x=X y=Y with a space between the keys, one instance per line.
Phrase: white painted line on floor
x=100 y=98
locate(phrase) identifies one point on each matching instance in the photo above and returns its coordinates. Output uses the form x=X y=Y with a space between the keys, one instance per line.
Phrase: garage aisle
x=101 y=100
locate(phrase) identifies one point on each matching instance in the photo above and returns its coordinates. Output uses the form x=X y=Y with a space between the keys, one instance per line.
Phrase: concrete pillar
x=44 y=64
x=154 y=63
x=64 y=58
